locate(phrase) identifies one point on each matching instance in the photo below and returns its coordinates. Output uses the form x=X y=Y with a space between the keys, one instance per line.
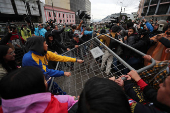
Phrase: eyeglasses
x=11 y=53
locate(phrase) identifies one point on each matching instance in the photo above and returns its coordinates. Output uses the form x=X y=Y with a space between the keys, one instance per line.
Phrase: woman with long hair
x=7 y=60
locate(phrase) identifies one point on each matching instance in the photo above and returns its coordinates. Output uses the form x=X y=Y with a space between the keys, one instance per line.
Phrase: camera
x=114 y=20
x=51 y=22
x=83 y=15
x=161 y=27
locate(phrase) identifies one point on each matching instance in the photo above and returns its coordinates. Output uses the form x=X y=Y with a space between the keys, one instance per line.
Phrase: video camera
x=51 y=22
x=82 y=15
x=112 y=22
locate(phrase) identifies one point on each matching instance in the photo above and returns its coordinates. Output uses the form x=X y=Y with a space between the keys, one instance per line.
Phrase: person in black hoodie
x=54 y=45
x=56 y=33
x=143 y=41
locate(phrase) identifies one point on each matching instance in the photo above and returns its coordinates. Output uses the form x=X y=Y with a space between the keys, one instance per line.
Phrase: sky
x=102 y=8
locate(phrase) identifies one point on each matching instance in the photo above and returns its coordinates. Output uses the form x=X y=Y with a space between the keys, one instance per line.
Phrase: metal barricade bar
x=91 y=66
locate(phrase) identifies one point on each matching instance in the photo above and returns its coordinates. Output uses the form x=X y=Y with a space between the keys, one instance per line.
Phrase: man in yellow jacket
x=25 y=32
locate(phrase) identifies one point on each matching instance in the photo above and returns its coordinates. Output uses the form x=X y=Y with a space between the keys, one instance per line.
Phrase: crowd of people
x=24 y=84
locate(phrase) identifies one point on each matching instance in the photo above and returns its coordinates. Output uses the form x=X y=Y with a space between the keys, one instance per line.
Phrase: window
x=163 y=9
x=54 y=14
x=73 y=20
x=72 y=16
x=154 y=1
x=59 y=14
x=49 y=14
x=152 y=10
x=70 y=20
x=63 y=15
x=146 y=2
x=67 y=16
x=67 y=20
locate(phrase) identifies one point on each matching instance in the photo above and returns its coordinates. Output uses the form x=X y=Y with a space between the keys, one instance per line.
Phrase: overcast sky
x=102 y=8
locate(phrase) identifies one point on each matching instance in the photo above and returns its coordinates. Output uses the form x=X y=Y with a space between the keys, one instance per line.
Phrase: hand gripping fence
x=99 y=61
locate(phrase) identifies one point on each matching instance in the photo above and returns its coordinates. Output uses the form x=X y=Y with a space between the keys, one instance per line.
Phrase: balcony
x=154 y=2
x=165 y=1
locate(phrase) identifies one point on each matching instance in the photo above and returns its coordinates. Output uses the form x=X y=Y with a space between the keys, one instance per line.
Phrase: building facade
x=84 y=5
x=65 y=4
x=15 y=10
x=61 y=15
x=159 y=9
x=73 y=5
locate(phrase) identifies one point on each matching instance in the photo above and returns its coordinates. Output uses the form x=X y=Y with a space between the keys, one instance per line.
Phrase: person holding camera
x=25 y=32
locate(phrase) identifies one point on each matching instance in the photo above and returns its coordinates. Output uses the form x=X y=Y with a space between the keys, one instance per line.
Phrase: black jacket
x=165 y=42
x=73 y=43
x=56 y=34
x=54 y=45
x=150 y=95
x=131 y=40
x=5 y=39
x=142 y=44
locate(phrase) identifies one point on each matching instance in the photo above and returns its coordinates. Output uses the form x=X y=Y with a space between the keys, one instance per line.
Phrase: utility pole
x=121 y=10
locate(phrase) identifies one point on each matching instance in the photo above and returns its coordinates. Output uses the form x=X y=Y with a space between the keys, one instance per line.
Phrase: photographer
x=56 y=33
x=25 y=32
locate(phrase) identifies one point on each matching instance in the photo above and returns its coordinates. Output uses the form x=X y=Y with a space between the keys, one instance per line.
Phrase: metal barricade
x=91 y=53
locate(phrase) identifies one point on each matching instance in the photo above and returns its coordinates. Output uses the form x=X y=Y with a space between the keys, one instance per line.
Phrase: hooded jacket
x=56 y=34
x=38 y=103
x=54 y=45
x=39 y=58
